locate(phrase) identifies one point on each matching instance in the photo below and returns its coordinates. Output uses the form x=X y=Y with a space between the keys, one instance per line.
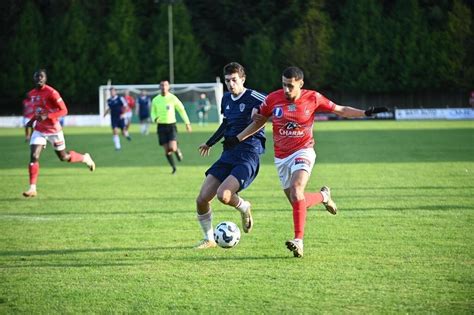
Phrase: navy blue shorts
x=242 y=165
x=118 y=123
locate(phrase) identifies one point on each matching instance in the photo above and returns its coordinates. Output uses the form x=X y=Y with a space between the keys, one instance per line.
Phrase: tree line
x=346 y=46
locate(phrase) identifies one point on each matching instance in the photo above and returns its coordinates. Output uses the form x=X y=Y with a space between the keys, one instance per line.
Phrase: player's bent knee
x=224 y=196
x=296 y=193
x=34 y=157
x=201 y=201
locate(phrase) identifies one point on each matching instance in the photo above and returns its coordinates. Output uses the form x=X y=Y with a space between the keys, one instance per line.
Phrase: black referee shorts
x=166 y=133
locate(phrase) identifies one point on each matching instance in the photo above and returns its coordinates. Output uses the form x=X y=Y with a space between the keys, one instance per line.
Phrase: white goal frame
x=216 y=88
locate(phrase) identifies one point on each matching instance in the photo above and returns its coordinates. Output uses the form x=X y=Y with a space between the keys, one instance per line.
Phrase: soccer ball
x=227 y=234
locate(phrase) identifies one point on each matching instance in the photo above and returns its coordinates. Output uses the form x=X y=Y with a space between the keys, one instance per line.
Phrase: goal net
x=188 y=93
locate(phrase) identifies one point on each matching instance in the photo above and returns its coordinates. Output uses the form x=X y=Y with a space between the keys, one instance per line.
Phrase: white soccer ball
x=227 y=234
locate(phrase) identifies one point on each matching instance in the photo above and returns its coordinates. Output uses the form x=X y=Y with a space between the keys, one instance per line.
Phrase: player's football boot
x=205 y=244
x=30 y=193
x=296 y=246
x=89 y=162
x=329 y=204
x=247 y=220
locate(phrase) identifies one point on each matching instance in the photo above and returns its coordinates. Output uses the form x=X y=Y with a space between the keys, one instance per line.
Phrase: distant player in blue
x=116 y=107
x=238 y=166
x=143 y=111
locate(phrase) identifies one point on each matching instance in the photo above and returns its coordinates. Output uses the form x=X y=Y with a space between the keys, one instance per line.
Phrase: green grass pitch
x=119 y=240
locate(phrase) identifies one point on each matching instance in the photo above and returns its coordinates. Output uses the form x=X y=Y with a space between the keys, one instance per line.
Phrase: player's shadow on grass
x=408 y=188
x=125 y=250
x=236 y=258
x=50 y=215
x=68 y=265
x=44 y=197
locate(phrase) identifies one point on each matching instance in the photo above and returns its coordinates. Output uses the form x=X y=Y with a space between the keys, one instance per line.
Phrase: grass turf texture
x=120 y=239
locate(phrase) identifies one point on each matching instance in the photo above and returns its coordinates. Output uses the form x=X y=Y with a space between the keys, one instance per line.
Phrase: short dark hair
x=293 y=72
x=234 y=67
x=40 y=70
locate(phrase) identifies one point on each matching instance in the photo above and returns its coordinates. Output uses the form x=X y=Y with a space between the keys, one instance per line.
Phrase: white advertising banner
x=70 y=120
x=434 y=113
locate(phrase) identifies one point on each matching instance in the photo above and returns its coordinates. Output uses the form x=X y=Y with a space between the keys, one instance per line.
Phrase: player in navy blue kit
x=238 y=166
x=143 y=111
x=117 y=106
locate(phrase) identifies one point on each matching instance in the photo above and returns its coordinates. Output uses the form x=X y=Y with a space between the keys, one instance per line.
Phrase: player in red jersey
x=28 y=113
x=48 y=108
x=129 y=110
x=292 y=110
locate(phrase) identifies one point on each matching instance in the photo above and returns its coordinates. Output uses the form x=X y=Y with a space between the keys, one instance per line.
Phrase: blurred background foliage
x=361 y=48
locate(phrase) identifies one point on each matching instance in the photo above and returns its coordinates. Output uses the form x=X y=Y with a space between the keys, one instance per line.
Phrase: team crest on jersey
x=292 y=108
x=242 y=107
x=278 y=112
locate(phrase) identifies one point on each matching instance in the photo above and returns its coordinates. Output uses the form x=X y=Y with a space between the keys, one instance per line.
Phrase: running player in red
x=48 y=108
x=292 y=110
x=129 y=110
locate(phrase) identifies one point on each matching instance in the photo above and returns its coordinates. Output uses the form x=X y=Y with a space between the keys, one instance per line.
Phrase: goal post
x=188 y=93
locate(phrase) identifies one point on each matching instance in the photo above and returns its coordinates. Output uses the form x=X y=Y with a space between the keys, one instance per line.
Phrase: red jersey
x=131 y=103
x=28 y=108
x=293 y=121
x=47 y=101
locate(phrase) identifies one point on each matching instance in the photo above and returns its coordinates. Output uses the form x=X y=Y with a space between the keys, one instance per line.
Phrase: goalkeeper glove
x=230 y=142
x=375 y=110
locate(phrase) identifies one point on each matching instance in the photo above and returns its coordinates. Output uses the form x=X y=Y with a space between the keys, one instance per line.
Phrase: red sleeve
x=324 y=104
x=131 y=102
x=266 y=108
x=58 y=102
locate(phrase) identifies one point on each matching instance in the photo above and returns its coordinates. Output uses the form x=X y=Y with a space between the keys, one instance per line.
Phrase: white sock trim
x=205 y=221
x=243 y=205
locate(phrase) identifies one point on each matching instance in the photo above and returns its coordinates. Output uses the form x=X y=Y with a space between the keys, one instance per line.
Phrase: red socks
x=75 y=157
x=33 y=170
x=299 y=217
x=299 y=211
x=313 y=198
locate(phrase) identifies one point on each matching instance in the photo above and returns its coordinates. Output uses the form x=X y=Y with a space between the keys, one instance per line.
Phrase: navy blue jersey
x=238 y=113
x=116 y=107
x=144 y=103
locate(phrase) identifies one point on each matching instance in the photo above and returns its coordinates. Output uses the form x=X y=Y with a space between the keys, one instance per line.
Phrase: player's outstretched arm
x=375 y=110
x=351 y=112
x=205 y=148
x=30 y=122
x=257 y=124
